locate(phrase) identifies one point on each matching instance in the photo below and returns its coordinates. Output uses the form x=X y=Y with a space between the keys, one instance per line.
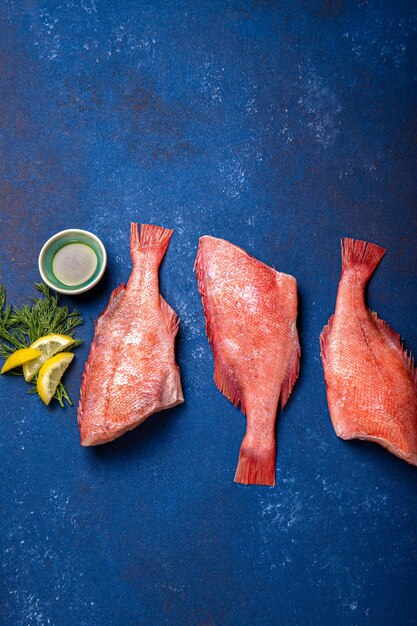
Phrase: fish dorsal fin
x=115 y=297
x=171 y=318
x=395 y=339
x=223 y=376
x=225 y=381
x=292 y=371
x=324 y=338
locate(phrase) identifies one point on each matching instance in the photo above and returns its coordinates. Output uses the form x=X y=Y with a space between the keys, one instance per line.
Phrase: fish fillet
x=131 y=370
x=251 y=313
x=371 y=380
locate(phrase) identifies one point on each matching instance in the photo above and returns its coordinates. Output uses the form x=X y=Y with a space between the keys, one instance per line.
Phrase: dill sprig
x=21 y=326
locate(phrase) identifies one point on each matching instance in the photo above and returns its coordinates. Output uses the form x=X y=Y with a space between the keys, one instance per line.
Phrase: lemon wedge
x=20 y=357
x=51 y=373
x=48 y=346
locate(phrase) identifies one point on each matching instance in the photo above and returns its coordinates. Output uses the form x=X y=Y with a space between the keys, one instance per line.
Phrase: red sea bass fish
x=251 y=313
x=371 y=381
x=131 y=370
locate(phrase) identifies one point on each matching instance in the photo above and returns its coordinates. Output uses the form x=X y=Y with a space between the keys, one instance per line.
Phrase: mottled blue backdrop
x=282 y=126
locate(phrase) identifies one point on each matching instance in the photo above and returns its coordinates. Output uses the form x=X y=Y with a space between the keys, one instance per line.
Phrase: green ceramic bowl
x=57 y=242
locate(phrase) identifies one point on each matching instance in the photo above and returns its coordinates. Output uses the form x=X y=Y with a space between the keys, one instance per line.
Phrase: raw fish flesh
x=251 y=313
x=131 y=370
x=371 y=380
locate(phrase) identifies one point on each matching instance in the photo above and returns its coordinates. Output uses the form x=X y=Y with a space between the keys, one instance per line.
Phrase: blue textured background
x=281 y=126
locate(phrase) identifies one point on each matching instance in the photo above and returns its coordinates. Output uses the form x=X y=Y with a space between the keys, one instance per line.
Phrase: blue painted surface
x=281 y=126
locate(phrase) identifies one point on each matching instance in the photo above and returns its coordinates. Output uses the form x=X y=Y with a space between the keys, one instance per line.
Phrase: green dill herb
x=19 y=327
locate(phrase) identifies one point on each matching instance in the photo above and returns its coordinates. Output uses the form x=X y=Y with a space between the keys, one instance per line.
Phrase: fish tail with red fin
x=256 y=465
x=150 y=238
x=362 y=256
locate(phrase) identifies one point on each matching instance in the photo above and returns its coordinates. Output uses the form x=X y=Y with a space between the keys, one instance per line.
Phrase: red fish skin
x=251 y=313
x=370 y=379
x=131 y=370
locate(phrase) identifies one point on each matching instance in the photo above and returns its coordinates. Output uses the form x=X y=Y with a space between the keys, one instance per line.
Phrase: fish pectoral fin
x=171 y=318
x=395 y=339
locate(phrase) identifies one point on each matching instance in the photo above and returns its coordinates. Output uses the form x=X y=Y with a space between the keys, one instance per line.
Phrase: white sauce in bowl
x=74 y=264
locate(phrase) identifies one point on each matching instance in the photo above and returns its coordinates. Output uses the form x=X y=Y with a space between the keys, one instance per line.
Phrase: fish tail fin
x=150 y=237
x=256 y=465
x=361 y=255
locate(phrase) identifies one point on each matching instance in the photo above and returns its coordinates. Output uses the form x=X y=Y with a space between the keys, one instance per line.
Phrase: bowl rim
x=59 y=235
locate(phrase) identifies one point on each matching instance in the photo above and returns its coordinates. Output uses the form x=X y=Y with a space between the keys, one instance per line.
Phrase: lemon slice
x=20 y=357
x=48 y=346
x=51 y=373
